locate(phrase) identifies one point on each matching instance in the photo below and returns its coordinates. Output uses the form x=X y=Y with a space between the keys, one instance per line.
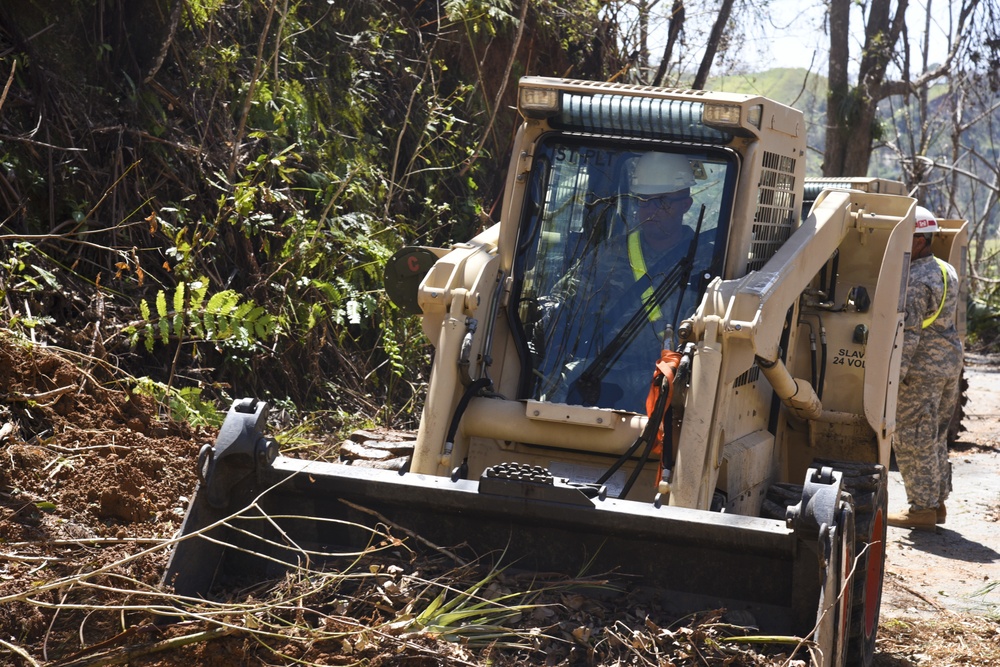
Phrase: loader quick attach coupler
x=820 y=502
x=241 y=449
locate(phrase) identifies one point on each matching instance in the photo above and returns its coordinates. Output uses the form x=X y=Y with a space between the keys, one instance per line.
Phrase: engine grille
x=776 y=214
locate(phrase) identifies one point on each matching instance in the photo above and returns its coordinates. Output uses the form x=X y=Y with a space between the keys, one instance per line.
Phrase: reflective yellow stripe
x=638 y=264
x=944 y=293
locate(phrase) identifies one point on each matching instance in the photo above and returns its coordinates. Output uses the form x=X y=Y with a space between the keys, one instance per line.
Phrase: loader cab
x=606 y=267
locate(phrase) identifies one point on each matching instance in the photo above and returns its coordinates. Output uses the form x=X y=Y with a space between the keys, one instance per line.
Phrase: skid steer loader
x=715 y=425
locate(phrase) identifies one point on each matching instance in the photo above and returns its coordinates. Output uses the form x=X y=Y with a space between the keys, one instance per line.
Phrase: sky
x=798 y=34
x=794 y=35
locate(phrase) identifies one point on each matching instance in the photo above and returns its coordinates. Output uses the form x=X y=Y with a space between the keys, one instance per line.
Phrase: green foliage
x=983 y=312
x=224 y=318
x=485 y=16
x=200 y=12
x=184 y=404
x=46 y=505
x=474 y=616
x=23 y=275
x=282 y=151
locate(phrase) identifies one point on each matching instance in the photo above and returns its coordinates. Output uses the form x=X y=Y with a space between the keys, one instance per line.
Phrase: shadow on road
x=950 y=544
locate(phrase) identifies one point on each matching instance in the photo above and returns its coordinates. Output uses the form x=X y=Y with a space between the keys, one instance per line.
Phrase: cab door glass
x=616 y=248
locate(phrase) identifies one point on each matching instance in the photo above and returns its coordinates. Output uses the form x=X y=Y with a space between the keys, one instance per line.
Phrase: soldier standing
x=930 y=371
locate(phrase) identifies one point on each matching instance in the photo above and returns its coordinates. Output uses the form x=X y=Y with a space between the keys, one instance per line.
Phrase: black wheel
x=867 y=483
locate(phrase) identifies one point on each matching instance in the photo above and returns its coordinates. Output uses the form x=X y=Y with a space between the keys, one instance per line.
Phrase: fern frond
x=224 y=316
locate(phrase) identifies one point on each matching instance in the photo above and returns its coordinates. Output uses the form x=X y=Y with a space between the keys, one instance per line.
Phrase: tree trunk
x=643 y=63
x=839 y=92
x=714 y=38
x=674 y=26
x=852 y=112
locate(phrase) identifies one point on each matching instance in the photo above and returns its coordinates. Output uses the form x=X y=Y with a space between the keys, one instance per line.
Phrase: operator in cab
x=661 y=187
x=634 y=279
x=929 y=381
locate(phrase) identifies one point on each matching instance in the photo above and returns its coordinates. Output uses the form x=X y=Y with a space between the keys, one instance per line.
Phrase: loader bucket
x=692 y=560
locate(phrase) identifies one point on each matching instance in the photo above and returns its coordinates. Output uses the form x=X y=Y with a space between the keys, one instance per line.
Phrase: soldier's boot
x=942 y=513
x=914 y=518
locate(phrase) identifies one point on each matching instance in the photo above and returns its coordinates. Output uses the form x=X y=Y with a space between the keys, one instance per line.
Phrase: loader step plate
x=528 y=481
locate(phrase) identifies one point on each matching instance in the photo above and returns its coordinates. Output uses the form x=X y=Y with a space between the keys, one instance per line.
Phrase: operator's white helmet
x=925 y=222
x=660 y=173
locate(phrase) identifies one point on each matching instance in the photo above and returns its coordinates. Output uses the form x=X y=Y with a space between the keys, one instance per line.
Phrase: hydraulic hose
x=819 y=381
x=474 y=388
x=666 y=372
x=822 y=363
x=812 y=350
x=648 y=436
x=812 y=356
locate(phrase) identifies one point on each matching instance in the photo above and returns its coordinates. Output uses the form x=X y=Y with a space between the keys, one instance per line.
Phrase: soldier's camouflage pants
x=921 y=444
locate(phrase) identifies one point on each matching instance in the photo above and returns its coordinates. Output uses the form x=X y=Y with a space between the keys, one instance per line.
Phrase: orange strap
x=665 y=367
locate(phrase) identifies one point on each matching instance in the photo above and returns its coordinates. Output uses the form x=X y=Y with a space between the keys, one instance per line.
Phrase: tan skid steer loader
x=627 y=377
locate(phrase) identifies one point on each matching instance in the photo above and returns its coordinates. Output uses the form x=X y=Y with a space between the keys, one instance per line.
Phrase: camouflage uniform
x=931 y=367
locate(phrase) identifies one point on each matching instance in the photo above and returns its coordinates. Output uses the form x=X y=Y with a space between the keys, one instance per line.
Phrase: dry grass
x=942 y=642
x=385 y=605
x=389 y=606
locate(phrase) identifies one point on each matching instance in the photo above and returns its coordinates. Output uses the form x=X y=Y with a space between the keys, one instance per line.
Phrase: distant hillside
x=796 y=87
x=804 y=90
x=793 y=86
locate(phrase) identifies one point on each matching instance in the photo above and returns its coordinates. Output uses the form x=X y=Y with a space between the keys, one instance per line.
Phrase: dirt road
x=956 y=569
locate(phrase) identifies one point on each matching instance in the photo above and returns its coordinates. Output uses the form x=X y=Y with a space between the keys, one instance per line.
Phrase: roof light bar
x=726 y=115
x=538 y=102
x=635 y=116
